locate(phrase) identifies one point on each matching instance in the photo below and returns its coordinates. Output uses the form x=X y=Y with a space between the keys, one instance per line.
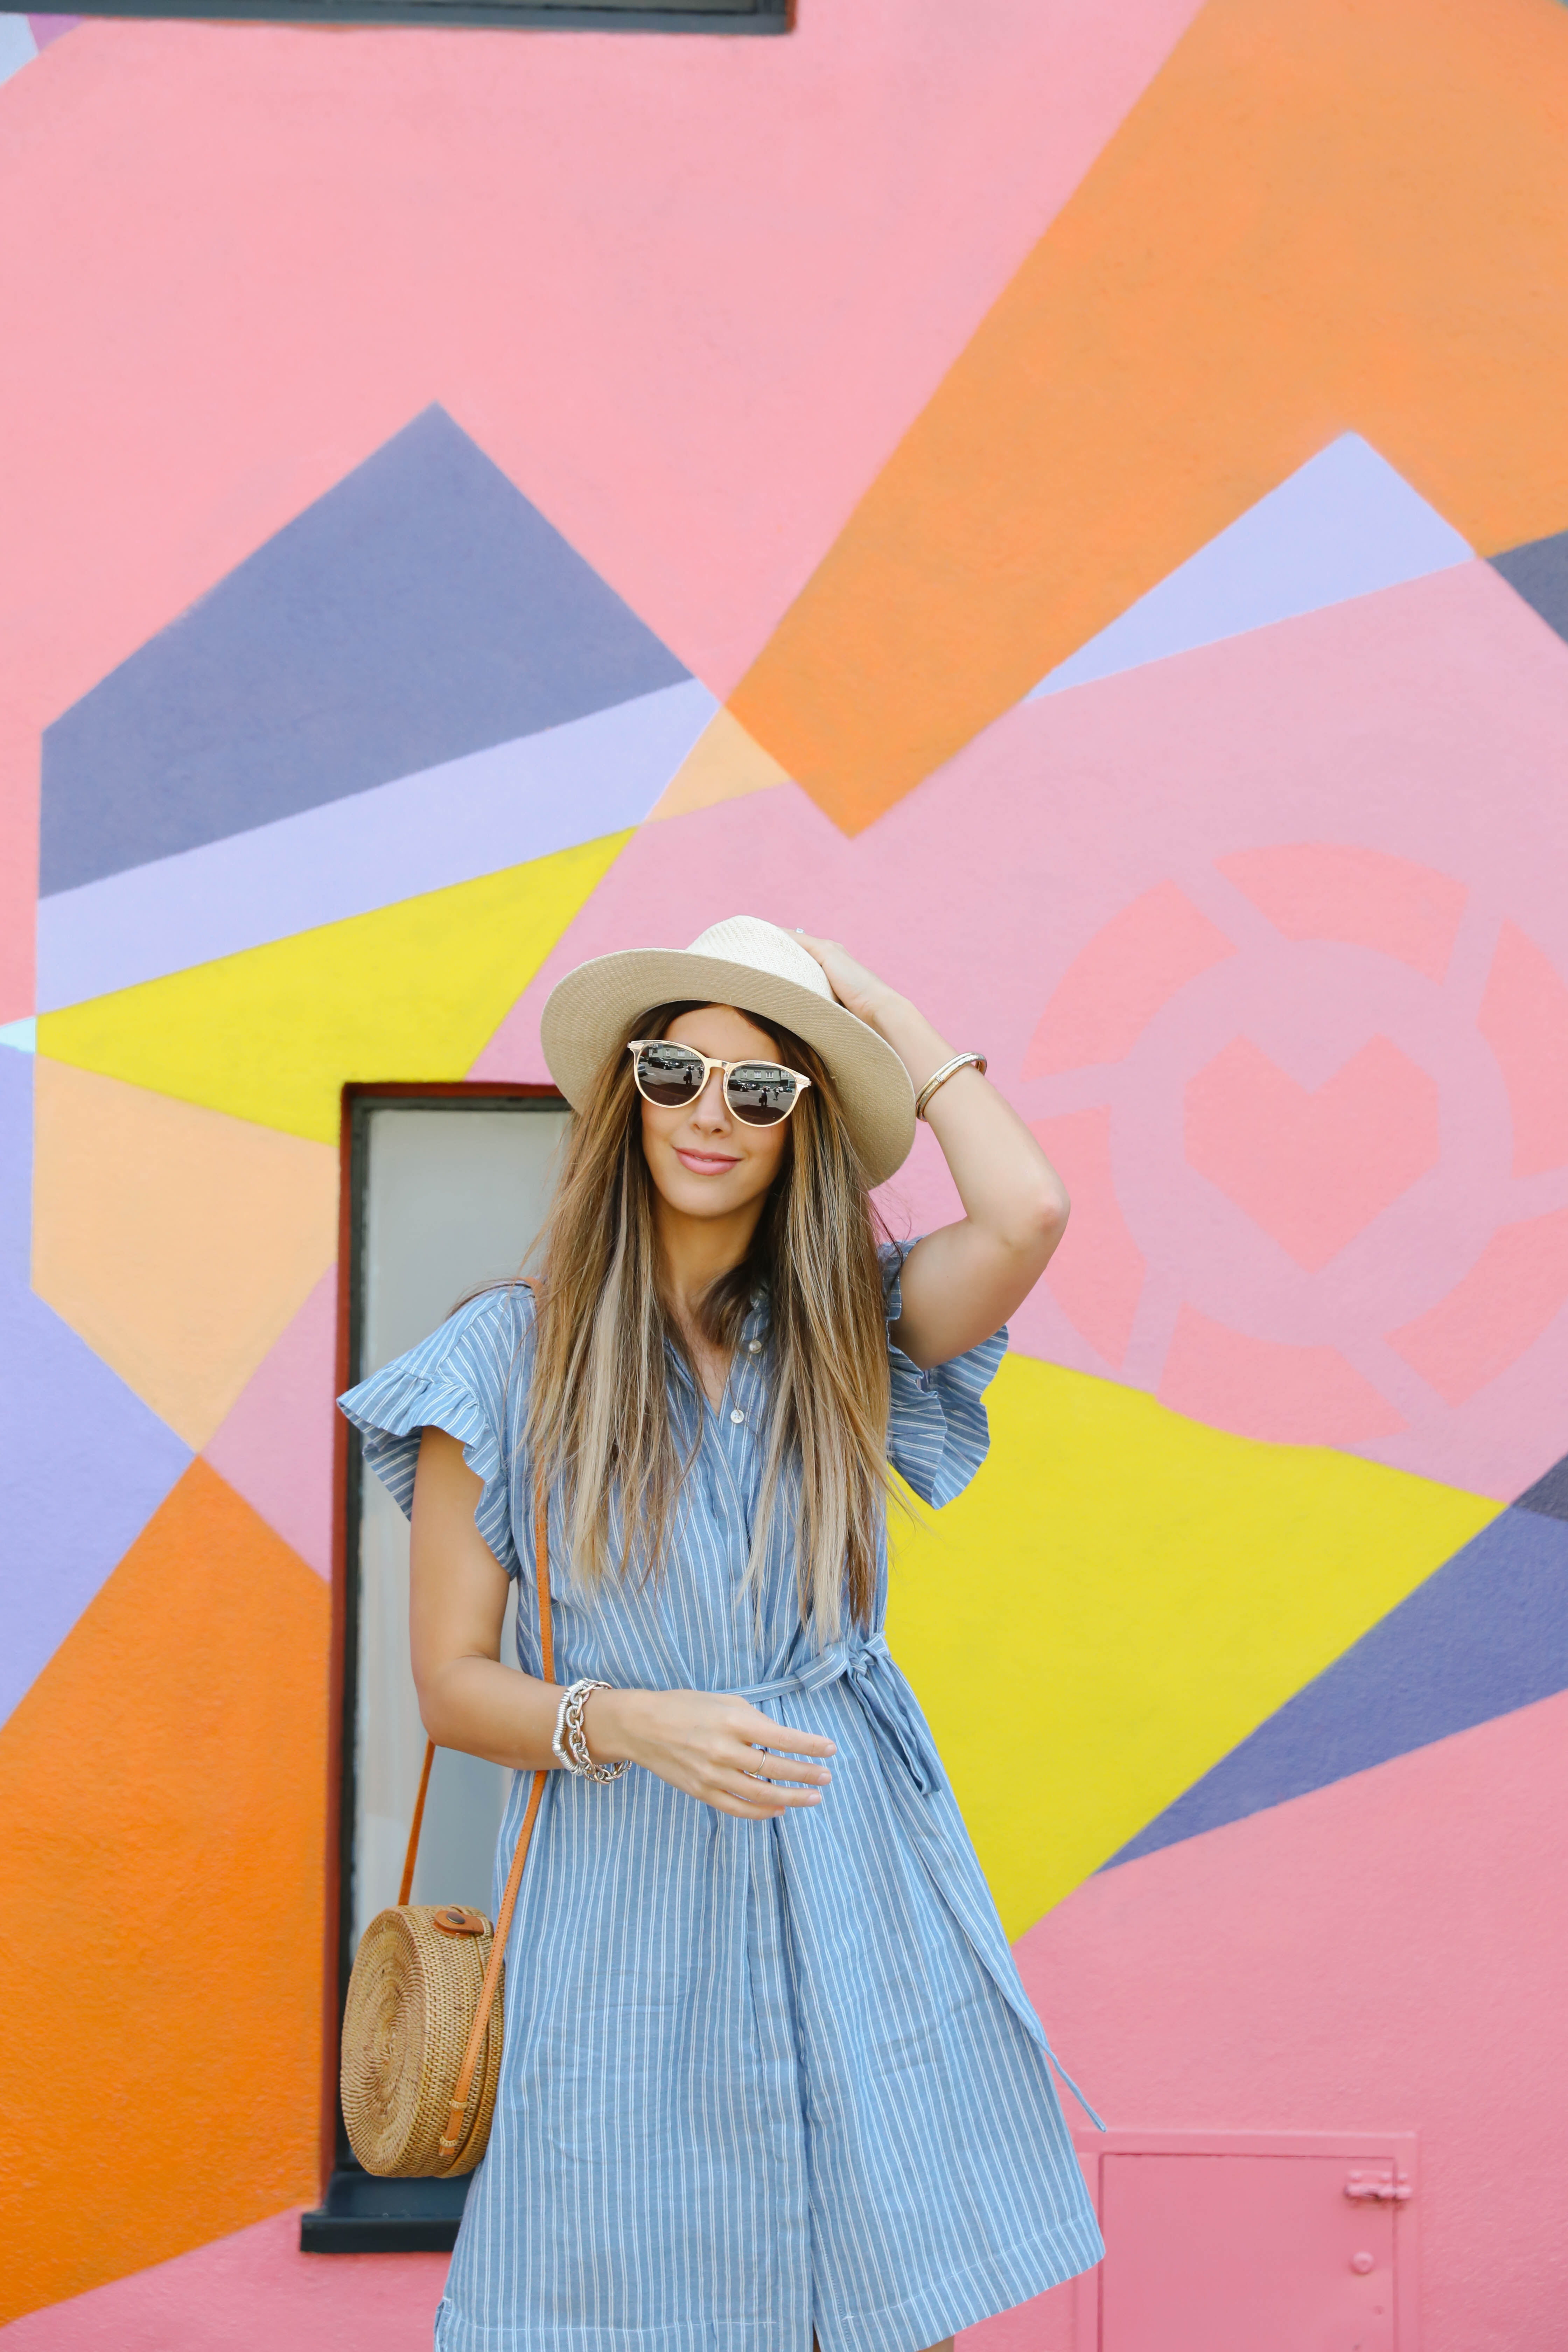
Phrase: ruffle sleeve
x=938 y=1435
x=465 y=1379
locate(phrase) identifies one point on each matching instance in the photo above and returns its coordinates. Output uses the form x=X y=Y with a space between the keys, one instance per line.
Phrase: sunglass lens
x=761 y=1094
x=670 y=1075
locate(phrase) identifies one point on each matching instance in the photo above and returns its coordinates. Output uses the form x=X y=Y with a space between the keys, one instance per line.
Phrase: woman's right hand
x=705 y=1743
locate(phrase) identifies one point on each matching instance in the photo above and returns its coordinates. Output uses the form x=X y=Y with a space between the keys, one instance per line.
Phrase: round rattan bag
x=413 y=1998
x=421 y=2029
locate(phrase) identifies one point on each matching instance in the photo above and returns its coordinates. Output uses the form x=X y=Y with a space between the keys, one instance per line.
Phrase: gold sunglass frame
x=636 y=1045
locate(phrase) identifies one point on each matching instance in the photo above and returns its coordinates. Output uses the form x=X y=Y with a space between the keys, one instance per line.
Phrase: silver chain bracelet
x=570 y=1744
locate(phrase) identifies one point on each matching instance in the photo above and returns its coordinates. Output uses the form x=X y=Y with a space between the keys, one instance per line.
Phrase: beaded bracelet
x=570 y=1744
x=947 y=1070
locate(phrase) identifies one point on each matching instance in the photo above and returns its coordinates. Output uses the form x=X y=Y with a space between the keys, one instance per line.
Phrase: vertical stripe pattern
x=759 y=2077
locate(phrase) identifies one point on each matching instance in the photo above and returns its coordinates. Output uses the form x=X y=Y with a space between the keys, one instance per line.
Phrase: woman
x=768 y=2065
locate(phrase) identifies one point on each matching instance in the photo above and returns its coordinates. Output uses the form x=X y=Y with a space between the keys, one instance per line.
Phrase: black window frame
x=360 y=2213
x=537 y=16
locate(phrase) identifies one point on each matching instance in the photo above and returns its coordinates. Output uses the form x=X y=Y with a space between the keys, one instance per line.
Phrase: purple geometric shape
x=1549 y=1496
x=421 y=610
x=1538 y=572
x=49 y=28
x=89 y=1462
x=1486 y=1634
x=468 y=817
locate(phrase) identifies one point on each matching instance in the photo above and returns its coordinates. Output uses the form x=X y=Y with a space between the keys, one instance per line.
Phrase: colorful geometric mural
x=1075 y=508
x=1487 y=1634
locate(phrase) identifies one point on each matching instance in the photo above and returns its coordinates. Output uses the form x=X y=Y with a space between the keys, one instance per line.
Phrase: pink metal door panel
x=1243 y=2253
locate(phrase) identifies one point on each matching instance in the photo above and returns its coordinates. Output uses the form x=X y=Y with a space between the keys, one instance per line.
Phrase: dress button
x=736 y=1415
x=753 y=1346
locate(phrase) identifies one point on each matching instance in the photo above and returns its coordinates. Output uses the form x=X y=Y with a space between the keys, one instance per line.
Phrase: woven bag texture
x=412 y=1999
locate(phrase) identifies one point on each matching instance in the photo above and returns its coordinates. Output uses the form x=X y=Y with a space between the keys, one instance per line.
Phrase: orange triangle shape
x=1314 y=220
x=164 y=1781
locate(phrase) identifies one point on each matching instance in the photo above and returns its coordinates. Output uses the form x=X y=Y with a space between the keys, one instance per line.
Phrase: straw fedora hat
x=760 y=970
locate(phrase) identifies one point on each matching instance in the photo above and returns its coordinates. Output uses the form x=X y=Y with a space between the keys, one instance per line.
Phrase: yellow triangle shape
x=1122 y=1596
x=412 y=990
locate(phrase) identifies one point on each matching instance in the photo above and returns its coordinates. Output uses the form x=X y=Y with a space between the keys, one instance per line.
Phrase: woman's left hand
x=858 y=990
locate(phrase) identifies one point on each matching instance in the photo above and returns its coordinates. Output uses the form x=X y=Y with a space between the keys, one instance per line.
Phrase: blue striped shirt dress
x=759 y=2077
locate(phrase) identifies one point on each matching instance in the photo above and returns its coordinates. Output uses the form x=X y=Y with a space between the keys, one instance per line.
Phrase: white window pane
x=455 y=1194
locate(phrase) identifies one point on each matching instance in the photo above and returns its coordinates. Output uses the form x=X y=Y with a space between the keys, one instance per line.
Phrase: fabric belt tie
x=883 y=1696
x=868 y=1666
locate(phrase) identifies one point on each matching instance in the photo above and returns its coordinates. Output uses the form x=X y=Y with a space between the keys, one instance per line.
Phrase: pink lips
x=703 y=1163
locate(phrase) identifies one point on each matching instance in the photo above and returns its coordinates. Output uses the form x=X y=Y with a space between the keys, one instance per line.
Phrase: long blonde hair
x=598 y=1414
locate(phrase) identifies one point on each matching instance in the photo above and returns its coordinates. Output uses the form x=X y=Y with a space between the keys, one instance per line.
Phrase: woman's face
x=703 y=1160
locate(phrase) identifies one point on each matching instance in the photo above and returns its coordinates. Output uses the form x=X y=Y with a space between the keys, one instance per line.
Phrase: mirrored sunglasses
x=759 y=1093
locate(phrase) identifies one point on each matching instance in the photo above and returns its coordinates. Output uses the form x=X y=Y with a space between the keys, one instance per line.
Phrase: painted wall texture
x=1072 y=500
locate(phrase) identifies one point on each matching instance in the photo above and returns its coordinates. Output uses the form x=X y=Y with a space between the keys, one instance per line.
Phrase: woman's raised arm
x=965 y=1279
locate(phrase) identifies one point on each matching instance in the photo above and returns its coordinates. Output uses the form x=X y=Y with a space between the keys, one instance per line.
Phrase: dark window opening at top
x=600 y=16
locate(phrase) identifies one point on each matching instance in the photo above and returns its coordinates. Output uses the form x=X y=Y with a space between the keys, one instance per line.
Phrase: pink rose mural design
x=1273 y=1216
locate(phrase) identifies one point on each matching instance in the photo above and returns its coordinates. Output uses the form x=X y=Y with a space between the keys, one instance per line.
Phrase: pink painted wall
x=1070 y=500
x=1378 y=1939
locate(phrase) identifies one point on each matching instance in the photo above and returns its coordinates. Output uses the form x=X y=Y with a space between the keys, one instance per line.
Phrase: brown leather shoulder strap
x=547 y=1652
x=414 y=1826
x=452 y=2146
x=456 y=2135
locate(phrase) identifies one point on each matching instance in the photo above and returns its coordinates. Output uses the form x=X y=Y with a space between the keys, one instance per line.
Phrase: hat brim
x=587 y=1014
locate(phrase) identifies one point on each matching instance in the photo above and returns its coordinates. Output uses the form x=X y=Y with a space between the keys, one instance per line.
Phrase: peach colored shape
x=1313 y=1169
x=696 y=387
x=1118 y=983
x=1336 y=891
x=252 y=2292
x=276 y=1445
x=1524 y=1020
x=177 y=1242
x=1260 y=1388
x=1385 y=1952
x=1505 y=1302
x=723 y=764
x=1098 y=1271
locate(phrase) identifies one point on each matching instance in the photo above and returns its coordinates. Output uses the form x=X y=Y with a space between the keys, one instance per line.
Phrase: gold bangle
x=939 y=1077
